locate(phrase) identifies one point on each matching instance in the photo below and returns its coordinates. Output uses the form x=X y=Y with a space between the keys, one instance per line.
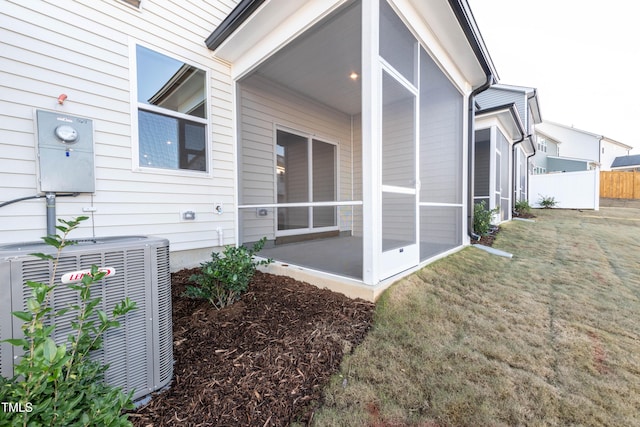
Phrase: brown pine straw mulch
x=487 y=239
x=262 y=361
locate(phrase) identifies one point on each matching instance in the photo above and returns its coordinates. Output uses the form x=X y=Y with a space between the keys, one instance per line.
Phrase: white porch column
x=371 y=134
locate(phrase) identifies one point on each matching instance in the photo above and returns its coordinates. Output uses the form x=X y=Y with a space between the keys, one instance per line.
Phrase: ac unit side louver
x=140 y=352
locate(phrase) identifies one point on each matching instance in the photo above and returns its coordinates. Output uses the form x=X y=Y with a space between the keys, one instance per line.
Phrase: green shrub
x=59 y=385
x=522 y=207
x=547 y=202
x=482 y=218
x=225 y=278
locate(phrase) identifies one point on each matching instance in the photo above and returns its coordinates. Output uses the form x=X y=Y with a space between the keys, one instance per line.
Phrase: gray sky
x=582 y=56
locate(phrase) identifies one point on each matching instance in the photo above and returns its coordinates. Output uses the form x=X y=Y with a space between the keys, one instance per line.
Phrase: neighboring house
x=567 y=165
x=497 y=130
x=335 y=129
x=504 y=143
x=626 y=163
x=545 y=148
x=576 y=149
x=547 y=159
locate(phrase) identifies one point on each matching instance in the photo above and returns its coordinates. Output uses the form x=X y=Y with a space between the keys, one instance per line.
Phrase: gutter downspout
x=529 y=127
x=471 y=158
x=527 y=163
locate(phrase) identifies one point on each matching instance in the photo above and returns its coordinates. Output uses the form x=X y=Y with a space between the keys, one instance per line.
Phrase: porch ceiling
x=319 y=63
x=249 y=35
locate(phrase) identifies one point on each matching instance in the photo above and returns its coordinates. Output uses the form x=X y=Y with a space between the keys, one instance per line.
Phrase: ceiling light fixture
x=353 y=75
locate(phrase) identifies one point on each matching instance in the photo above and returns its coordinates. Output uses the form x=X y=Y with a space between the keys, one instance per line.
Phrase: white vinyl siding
x=264 y=106
x=88 y=58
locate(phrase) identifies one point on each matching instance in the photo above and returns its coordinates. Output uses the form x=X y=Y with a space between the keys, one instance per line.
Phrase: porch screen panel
x=482 y=162
x=324 y=183
x=504 y=177
x=523 y=175
x=497 y=192
x=397 y=45
x=438 y=233
x=398 y=165
x=398 y=135
x=441 y=160
x=293 y=180
x=398 y=220
x=441 y=138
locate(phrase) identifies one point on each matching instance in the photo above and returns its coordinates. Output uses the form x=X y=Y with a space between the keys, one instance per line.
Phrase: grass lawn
x=549 y=337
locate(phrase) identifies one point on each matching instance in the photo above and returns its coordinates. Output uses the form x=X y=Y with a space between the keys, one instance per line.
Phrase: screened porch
x=351 y=149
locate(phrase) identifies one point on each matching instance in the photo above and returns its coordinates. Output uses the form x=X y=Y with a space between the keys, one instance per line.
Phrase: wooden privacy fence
x=620 y=185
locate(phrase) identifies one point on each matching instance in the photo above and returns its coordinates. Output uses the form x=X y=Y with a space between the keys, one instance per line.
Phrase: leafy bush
x=522 y=207
x=547 y=202
x=225 y=278
x=59 y=385
x=482 y=218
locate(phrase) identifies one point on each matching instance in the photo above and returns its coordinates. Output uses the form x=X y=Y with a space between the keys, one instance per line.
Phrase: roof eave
x=467 y=22
x=460 y=8
x=512 y=110
x=238 y=15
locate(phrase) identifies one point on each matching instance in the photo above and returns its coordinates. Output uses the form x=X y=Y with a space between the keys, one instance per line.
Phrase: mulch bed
x=262 y=361
x=487 y=239
x=526 y=215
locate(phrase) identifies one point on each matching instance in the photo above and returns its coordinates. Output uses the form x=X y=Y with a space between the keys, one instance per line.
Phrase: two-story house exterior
x=569 y=149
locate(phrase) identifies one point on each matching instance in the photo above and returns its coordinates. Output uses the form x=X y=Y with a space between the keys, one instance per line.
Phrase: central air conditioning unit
x=140 y=352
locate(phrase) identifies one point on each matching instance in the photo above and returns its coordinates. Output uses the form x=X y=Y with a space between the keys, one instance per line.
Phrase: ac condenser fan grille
x=140 y=352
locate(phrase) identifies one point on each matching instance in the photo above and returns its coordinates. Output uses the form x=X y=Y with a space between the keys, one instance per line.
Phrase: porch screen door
x=400 y=249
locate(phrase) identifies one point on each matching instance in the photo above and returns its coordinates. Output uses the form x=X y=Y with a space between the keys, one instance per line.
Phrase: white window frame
x=310 y=136
x=136 y=106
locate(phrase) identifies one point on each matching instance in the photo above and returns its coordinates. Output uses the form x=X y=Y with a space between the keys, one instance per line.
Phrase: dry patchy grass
x=550 y=337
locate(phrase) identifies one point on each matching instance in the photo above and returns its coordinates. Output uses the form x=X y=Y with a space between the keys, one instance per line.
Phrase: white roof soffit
x=272 y=25
x=465 y=44
x=505 y=116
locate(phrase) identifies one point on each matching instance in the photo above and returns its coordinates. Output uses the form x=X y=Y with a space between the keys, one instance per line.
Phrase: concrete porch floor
x=332 y=263
x=337 y=255
x=336 y=264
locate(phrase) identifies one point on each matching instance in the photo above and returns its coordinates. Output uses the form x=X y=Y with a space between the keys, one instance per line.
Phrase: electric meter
x=67 y=134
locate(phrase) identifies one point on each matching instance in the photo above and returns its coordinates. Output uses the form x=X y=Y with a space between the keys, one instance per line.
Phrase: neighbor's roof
x=545 y=126
x=532 y=98
x=510 y=110
x=626 y=161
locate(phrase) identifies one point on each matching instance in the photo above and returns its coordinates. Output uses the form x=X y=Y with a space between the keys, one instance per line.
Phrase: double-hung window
x=172 y=113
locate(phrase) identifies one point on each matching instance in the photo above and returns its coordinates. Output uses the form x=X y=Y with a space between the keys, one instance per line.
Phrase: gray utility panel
x=65 y=153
